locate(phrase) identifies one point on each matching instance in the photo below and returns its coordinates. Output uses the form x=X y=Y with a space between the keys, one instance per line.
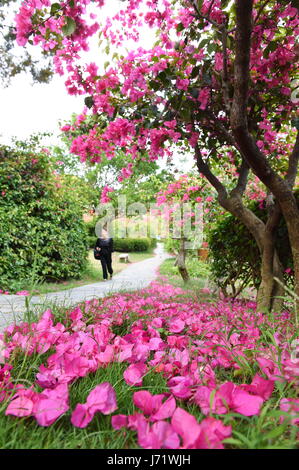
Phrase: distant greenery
x=91 y=274
x=133 y=244
x=42 y=234
x=233 y=253
x=128 y=244
x=197 y=269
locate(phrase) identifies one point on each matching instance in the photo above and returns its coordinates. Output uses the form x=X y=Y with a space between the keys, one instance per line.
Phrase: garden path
x=136 y=276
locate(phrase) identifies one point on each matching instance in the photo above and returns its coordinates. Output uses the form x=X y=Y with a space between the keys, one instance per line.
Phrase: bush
x=171 y=245
x=132 y=244
x=233 y=253
x=196 y=268
x=42 y=234
x=127 y=245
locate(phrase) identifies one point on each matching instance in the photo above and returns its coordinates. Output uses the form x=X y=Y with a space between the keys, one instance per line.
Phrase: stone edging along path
x=136 y=276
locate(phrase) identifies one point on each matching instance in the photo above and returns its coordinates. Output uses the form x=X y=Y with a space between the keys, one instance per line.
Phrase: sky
x=28 y=109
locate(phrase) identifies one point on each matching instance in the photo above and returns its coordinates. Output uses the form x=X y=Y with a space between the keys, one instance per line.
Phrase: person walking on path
x=104 y=246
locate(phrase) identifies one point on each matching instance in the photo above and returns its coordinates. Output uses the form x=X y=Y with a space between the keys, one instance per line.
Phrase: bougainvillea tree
x=217 y=84
x=180 y=204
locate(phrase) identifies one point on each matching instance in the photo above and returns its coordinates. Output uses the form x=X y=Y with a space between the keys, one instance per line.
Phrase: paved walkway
x=135 y=276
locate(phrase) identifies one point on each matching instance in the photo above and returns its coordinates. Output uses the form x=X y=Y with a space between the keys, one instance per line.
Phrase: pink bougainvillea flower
x=260 y=387
x=212 y=433
x=180 y=387
x=134 y=373
x=176 y=326
x=228 y=397
x=186 y=426
x=51 y=404
x=166 y=410
x=291 y=406
x=6 y=385
x=269 y=368
x=205 y=435
x=158 y=436
x=147 y=402
x=23 y=292
x=2 y=348
x=152 y=405
x=101 y=399
x=168 y=438
x=22 y=403
x=119 y=421
x=81 y=416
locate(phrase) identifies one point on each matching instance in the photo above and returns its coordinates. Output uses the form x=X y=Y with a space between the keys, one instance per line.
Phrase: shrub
x=120 y=244
x=132 y=244
x=171 y=245
x=42 y=234
x=234 y=255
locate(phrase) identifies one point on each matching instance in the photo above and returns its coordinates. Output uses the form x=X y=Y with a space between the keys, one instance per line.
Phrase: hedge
x=132 y=244
x=124 y=245
x=42 y=234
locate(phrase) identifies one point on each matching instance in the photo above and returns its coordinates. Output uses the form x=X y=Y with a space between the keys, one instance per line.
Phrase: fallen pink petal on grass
x=133 y=375
x=101 y=399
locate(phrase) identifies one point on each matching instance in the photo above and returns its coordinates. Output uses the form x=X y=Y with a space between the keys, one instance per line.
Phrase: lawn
x=151 y=369
x=92 y=274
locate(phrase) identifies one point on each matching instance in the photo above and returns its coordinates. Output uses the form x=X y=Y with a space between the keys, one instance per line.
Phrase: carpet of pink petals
x=191 y=344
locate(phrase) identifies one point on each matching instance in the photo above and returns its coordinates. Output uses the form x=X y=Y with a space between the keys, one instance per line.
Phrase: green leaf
x=154 y=85
x=295 y=123
x=54 y=8
x=231 y=440
x=276 y=432
x=70 y=26
x=89 y=101
x=211 y=47
x=195 y=71
x=180 y=27
x=194 y=92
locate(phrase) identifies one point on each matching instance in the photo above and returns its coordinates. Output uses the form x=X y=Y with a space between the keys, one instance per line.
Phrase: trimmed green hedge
x=123 y=245
x=132 y=244
x=42 y=234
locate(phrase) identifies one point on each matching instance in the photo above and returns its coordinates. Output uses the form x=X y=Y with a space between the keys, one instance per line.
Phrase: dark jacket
x=106 y=246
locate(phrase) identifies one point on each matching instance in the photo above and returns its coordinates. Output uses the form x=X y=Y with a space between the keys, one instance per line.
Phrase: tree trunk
x=290 y=212
x=270 y=293
x=260 y=165
x=180 y=261
x=264 y=237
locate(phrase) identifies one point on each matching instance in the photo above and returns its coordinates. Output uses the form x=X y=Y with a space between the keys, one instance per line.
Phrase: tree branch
x=255 y=158
x=293 y=164
x=242 y=63
x=204 y=17
x=205 y=170
x=261 y=10
x=242 y=180
x=225 y=81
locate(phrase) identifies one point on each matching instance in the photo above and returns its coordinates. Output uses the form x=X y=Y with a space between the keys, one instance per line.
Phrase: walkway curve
x=136 y=276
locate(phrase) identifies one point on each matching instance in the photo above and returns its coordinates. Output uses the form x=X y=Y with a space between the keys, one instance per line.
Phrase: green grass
x=257 y=432
x=264 y=431
x=199 y=277
x=25 y=433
